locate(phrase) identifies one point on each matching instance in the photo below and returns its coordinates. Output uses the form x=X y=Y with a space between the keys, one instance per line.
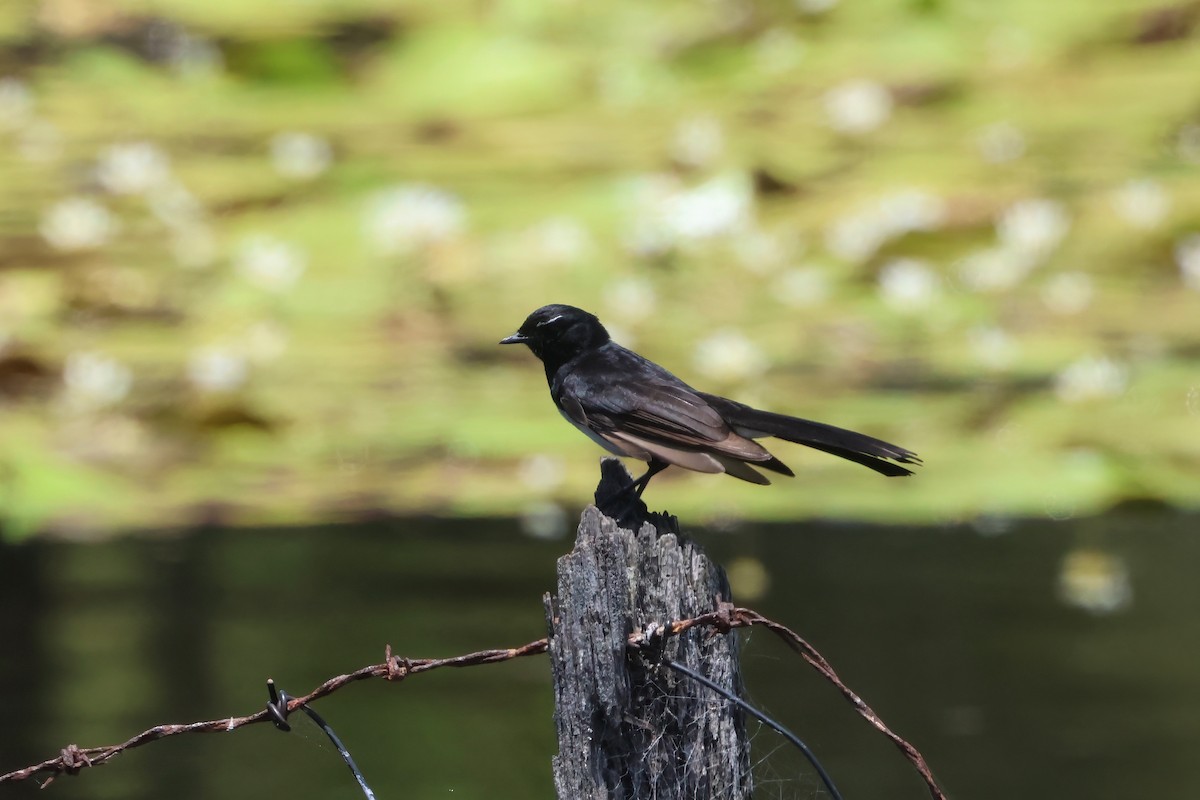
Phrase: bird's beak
x=516 y=338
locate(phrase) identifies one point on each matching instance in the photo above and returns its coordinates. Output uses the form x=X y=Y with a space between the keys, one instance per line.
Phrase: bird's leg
x=653 y=468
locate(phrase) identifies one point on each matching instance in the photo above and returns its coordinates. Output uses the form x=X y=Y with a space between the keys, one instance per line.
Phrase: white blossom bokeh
x=133 y=168
x=1091 y=378
x=1034 y=227
x=300 y=155
x=858 y=106
x=1187 y=256
x=77 y=223
x=269 y=263
x=217 y=370
x=93 y=381
x=408 y=217
x=729 y=356
x=909 y=285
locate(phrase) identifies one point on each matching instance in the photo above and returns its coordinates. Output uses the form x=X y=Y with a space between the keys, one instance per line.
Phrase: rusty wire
x=72 y=759
x=728 y=616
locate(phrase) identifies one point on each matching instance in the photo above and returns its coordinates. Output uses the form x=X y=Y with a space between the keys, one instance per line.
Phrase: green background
x=1042 y=358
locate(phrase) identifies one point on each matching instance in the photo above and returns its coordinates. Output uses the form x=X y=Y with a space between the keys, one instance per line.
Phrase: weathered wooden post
x=628 y=729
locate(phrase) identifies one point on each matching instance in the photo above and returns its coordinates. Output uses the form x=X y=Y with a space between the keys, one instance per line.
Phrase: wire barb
x=277 y=707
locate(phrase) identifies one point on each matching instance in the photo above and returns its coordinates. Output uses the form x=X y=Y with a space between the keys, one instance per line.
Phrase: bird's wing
x=649 y=403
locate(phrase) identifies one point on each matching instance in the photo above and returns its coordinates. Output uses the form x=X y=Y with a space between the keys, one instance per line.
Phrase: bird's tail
x=857 y=447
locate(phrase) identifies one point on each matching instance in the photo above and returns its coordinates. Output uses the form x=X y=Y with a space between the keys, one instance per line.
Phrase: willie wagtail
x=633 y=407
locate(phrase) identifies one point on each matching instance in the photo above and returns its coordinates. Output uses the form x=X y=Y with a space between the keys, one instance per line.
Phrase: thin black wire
x=763 y=718
x=278 y=709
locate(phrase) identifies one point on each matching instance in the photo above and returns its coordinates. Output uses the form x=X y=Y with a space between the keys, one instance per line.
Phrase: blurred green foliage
x=254 y=256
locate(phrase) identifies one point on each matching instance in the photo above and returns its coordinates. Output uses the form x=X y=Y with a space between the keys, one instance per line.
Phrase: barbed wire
x=727 y=617
x=73 y=758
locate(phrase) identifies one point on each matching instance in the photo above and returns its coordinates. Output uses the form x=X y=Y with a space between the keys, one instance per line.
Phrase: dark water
x=960 y=640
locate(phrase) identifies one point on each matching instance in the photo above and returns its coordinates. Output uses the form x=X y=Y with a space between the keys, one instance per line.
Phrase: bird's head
x=559 y=332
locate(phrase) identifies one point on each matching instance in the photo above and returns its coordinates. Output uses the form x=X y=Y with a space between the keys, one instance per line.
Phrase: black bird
x=632 y=407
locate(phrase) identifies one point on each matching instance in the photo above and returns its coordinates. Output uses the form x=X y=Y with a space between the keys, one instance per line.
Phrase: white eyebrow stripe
x=552 y=319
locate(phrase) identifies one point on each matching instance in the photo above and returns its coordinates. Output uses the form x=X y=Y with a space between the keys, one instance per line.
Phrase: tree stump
x=628 y=728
